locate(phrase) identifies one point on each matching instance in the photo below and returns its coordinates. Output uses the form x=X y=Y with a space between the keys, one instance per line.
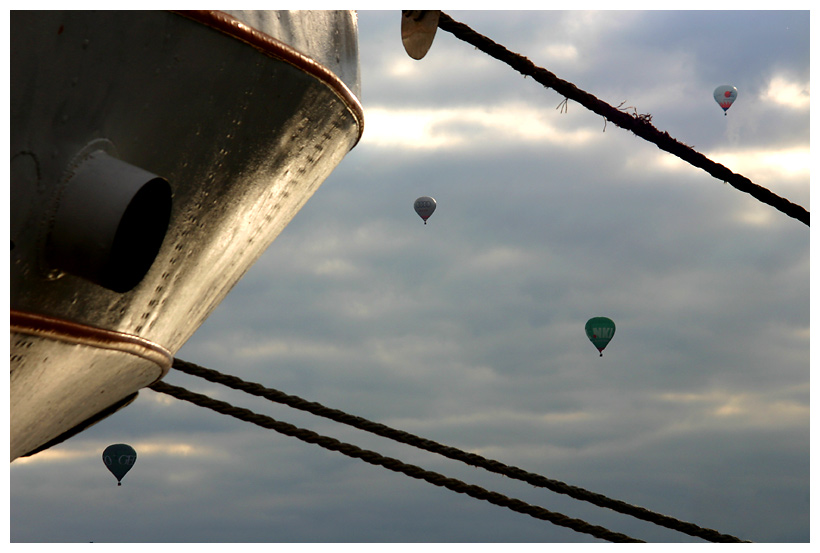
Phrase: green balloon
x=119 y=458
x=600 y=331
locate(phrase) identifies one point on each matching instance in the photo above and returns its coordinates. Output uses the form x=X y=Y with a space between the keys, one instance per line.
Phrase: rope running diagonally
x=452 y=452
x=395 y=465
x=640 y=126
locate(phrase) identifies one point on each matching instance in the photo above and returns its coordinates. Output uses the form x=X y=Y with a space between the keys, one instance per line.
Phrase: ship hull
x=243 y=128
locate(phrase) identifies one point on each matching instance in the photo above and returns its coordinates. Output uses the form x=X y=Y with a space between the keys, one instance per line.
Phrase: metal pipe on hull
x=243 y=127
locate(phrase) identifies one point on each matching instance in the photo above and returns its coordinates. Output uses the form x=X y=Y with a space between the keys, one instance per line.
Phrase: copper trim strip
x=275 y=48
x=76 y=333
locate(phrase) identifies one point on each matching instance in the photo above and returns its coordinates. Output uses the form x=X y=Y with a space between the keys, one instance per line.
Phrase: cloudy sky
x=470 y=330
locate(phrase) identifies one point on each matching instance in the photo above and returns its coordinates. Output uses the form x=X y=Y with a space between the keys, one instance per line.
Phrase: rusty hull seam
x=277 y=49
x=76 y=333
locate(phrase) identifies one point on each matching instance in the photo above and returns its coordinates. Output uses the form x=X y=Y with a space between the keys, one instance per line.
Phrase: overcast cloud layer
x=470 y=330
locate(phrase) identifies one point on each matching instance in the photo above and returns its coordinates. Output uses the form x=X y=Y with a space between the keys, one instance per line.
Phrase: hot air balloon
x=600 y=331
x=119 y=458
x=424 y=206
x=725 y=95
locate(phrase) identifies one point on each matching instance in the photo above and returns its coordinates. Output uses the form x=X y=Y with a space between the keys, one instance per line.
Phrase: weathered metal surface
x=418 y=29
x=69 y=371
x=329 y=37
x=242 y=127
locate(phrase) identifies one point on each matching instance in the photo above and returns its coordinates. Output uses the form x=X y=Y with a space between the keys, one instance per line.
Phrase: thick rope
x=389 y=463
x=638 y=124
x=472 y=459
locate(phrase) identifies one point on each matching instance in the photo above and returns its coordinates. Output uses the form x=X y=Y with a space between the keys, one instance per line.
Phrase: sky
x=470 y=330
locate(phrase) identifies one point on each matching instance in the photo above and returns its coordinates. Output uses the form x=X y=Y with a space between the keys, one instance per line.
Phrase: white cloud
x=590 y=23
x=561 y=52
x=756 y=215
x=310 y=349
x=739 y=409
x=501 y=259
x=467 y=127
x=84 y=450
x=336 y=267
x=788 y=93
x=794 y=162
x=790 y=167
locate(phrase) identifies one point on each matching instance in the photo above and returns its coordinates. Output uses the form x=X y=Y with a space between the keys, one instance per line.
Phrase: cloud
x=496 y=127
x=789 y=93
x=729 y=408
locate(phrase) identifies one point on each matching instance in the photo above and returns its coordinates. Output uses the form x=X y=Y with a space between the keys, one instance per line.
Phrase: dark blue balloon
x=119 y=458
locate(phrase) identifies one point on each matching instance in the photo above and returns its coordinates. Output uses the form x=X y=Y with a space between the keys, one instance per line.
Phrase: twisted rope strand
x=389 y=463
x=472 y=459
x=639 y=125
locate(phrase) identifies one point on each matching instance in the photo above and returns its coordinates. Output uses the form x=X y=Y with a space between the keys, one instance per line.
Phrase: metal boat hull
x=244 y=129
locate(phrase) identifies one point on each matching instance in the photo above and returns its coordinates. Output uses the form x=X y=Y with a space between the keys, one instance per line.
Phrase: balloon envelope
x=725 y=95
x=119 y=458
x=600 y=331
x=424 y=206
